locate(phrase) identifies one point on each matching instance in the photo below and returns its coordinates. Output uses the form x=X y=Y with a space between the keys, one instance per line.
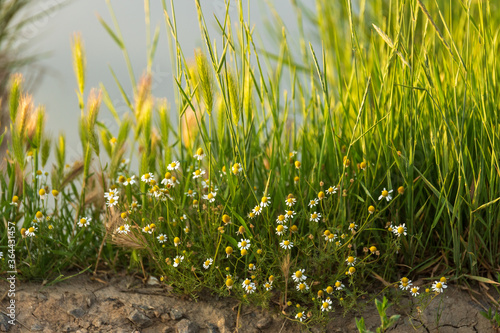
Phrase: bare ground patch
x=125 y=304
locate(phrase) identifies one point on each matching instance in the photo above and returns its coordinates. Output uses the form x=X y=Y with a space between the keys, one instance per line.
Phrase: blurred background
x=52 y=79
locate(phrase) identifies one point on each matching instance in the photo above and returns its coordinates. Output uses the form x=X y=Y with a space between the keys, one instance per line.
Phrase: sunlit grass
x=377 y=162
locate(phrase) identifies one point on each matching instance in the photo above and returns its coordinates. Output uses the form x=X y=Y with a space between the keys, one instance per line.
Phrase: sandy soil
x=124 y=304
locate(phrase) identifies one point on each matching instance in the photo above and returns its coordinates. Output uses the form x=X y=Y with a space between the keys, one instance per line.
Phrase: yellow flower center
x=350 y=259
x=177 y=260
x=401 y=230
x=83 y=221
x=329 y=289
x=314 y=216
x=281 y=218
x=385 y=193
x=122 y=228
x=321 y=195
x=325 y=305
x=229 y=250
x=298 y=274
x=39 y=172
x=146 y=176
x=121 y=179
x=352 y=270
x=243 y=244
x=226 y=219
x=373 y=249
x=302 y=286
x=439 y=285
x=338 y=284
x=247 y=282
x=31 y=229
x=210 y=196
x=229 y=282
x=352 y=225
x=414 y=290
x=404 y=280
x=443 y=279
x=39 y=215
x=286 y=243
x=168 y=175
x=41 y=192
x=280 y=228
x=199 y=152
x=207 y=262
x=299 y=314
x=264 y=199
x=111 y=200
x=177 y=240
x=15 y=198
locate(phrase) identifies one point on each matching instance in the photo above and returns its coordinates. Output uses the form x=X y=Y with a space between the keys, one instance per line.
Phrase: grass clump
x=378 y=162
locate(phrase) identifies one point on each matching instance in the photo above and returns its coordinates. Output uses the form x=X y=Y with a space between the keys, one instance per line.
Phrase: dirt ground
x=124 y=304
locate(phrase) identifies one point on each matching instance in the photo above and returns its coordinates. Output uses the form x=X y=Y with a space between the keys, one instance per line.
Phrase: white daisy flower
x=257 y=210
x=250 y=289
x=111 y=194
x=198 y=173
x=302 y=287
x=315 y=217
x=207 y=263
x=299 y=275
x=286 y=244
x=290 y=214
x=352 y=226
x=339 y=285
x=268 y=286
x=113 y=201
x=405 y=283
x=162 y=238
x=147 y=229
x=439 y=286
x=281 y=219
x=313 y=203
x=148 y=177
x=331 y=190
x=290 y=201
x=385 y=195
x=414 y=291
x=30 y=232
x=351 y=261
x=124 y=229
x=400 y=230
x=174 y=165
x=265 y=201
x=326 y=305
x=300 y=316
x=210 y=196
x=190 y=193
x=244 y=244
x=130 y=181
x=200 y=154
x=178 y=260
x=281 y=229
x=84 y=222
x=245 y=283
